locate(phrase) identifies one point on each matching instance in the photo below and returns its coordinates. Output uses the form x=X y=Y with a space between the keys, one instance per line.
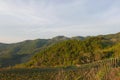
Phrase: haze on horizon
x=31 y=19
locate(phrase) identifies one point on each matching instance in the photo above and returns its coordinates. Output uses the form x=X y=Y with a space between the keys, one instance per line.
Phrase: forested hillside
x=60 y=51
x=73 y=52
x=16 y=53
x=59 y=58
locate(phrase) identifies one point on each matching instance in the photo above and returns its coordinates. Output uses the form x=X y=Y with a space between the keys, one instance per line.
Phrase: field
x=59 y=74
x=100 y=70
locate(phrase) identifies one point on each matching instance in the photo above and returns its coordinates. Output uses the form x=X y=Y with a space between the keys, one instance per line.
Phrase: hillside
x=12 y=54
x=107 y=69
x=59 y=58
x=16 y=53
x=60 y=50
x=72 y=52
x=112 y=37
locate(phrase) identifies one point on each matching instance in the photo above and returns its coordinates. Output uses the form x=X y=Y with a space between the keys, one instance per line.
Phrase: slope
x=71 y=52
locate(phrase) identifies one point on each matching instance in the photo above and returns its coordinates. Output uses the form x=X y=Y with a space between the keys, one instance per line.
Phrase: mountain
x=12 y=54
x=60 y=50
x=16 y=53
x=78 y=37
x=60 y=38
x=71 y=52
x=112 y=37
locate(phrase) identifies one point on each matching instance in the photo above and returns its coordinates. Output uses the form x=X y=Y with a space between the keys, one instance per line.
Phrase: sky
x=32 y=19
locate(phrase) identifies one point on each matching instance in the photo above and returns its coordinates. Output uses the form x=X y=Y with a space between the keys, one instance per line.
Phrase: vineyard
x=99 y=70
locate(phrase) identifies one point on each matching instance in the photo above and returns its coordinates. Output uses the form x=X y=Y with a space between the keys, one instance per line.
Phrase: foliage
x=60 y=51
x=71 y=52
x=85 y=72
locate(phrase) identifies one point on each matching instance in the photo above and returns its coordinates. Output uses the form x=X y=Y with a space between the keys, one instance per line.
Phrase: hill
x=112 y=37
x=60 y=50
x=16 y=53
x=72 y=52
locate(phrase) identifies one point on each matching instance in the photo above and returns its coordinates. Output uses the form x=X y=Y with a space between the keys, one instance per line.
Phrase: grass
x=100 y=70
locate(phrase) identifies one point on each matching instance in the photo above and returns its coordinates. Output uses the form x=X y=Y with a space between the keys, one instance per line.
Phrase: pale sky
x=32 y=19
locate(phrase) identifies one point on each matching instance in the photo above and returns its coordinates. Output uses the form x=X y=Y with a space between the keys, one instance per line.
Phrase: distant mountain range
x=60 y=51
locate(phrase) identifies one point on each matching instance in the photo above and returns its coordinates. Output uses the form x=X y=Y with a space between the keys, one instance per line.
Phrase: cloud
x=30 y=19
x=29 y=14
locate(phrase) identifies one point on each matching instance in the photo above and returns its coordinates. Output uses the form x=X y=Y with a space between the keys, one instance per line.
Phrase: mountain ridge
x=22 y=52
